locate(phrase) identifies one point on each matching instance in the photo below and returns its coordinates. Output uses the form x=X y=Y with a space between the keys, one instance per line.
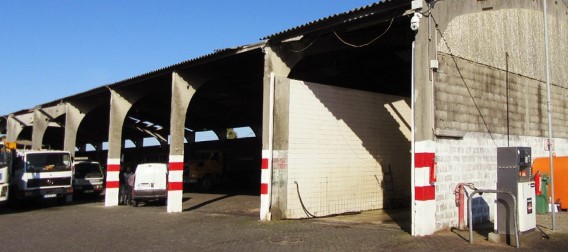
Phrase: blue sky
x=53 y=49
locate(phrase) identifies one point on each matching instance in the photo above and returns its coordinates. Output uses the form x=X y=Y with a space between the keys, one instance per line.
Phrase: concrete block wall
x=340 y=140
x=473 y=159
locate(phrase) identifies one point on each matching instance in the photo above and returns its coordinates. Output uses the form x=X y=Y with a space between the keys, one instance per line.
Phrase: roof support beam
x=73 y=118
x=16 y=124
x=42 y=118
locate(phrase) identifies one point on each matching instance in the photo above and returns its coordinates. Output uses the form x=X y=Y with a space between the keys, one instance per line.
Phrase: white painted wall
x=339 y=141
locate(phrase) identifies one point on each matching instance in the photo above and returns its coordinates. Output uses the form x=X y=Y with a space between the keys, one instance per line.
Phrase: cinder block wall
x=340 y=141
x=474 y=160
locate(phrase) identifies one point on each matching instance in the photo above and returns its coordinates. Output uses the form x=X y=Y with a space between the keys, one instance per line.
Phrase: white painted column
x=424 y=188
x=266 y=165
x=175 y=184
x=112 y=182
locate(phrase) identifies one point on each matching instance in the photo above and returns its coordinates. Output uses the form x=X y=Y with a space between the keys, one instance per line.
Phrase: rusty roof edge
x=340 y=18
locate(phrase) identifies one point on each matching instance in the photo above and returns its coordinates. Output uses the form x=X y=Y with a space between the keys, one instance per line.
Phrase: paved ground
x=219 y=222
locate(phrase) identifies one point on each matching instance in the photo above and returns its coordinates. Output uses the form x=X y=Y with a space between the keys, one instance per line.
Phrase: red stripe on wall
x=175 y=186
x=424 y=193
x=113 y=167
x=264 y=164
x=263 y=188
x=424 y=159
x=176 y=166
x=112 y=184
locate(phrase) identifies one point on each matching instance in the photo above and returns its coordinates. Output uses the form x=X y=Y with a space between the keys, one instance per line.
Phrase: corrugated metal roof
x=352 y=16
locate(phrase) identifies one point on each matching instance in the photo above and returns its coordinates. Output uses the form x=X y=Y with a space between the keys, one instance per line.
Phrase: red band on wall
x=175 y=186
x=112 y=184
x=423 y=193
x=176 y=166
x=113 y=167
x=263 y=188
x=264 y=164
x=424 y=159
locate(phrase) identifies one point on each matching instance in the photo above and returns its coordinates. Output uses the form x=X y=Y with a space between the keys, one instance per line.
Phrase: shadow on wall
x=480 y=211
x=369 y=134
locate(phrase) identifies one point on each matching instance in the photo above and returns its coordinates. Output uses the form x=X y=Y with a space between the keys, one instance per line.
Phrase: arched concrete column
x=16 y=124
x=278 y=63
x=138 y=142
x=190 y=136
x=184 y=87
x=72 y=121
x=221 y=134
x=42 y=118
x=120 y=104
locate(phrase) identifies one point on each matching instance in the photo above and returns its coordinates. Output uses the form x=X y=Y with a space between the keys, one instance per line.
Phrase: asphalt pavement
x=226 y=222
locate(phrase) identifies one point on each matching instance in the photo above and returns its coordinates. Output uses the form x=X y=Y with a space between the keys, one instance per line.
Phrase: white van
x=150 y=183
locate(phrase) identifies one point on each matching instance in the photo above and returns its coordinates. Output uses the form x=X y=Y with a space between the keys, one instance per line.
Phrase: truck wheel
x=206 y=183
x=62 y=200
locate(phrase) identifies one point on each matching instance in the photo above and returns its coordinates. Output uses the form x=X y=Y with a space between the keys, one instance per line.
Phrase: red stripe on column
x=264 y=164
x=112 y=184
x=176 y=166
x=263 y=188
x=424 y=193
x=424 y=159
x=113 y=167
x=175 y=186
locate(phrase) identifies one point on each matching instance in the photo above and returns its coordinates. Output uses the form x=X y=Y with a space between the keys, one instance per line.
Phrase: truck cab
x=41 y=174
x=5 y=156
x=204 y=169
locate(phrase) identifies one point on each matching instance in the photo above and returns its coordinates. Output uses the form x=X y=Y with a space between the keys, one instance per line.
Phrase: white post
x=549 y=108
x=266 y=167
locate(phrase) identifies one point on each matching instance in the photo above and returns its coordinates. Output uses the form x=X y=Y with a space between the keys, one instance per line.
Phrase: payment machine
x=514 y=175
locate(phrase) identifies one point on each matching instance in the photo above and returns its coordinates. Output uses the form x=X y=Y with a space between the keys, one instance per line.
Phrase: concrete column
x=3 y=123
x=72 y=121
x=221 y=134
x=120 y=104
x=83 y=147
x=139 y=142
x=183 y=89
x=42 y=118
x=98 y=146
x=16 y=124
x=424 y=191
x=274 y=182
x=190 y=136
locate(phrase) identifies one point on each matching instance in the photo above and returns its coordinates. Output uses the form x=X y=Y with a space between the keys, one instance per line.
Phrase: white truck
x=5 y=155
x=41 y=174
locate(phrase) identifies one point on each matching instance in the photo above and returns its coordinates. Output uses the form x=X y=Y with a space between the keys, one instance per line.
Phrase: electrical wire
x=308 y=46
x=463 y=79
x=310 y=215
x=365 y=44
